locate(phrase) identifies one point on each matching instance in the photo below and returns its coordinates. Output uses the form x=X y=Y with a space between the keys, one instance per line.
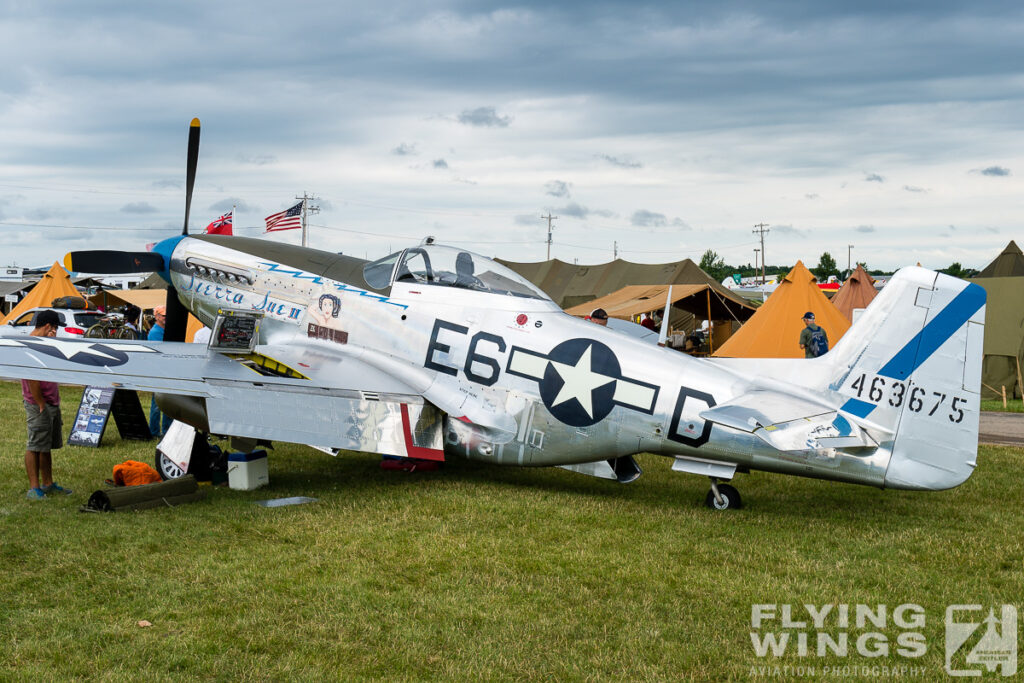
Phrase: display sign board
x=95 y=409
x=91 y=420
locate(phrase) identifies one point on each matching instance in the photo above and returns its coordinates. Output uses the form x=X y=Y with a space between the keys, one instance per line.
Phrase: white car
x=73 y=322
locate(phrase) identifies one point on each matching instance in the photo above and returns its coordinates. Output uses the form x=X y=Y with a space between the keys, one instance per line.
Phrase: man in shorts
x=42 y=411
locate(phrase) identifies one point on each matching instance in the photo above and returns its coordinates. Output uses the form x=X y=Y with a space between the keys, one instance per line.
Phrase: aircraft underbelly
x=389 y=427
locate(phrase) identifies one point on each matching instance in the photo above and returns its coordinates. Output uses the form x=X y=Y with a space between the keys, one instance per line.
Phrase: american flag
x=222 y=225
x=289 y=219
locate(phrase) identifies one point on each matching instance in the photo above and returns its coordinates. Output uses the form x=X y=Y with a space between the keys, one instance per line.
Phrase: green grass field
x=1014 y=405
x=475 y=572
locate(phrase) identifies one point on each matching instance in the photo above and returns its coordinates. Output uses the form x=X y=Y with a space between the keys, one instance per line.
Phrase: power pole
x=307 y=209
x=761 y=228
x=550 y=218
x=615 y=249
x=756 y=252
x=849 y=248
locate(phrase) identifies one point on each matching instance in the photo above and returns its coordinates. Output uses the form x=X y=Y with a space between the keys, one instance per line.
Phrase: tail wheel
x=126 y=333
x=730 y=498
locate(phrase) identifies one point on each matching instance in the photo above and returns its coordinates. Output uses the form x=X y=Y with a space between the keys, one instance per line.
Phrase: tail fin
x=910 y=371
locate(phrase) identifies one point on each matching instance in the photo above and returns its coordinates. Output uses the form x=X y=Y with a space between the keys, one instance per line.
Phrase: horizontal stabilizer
x=788 y=423
x=757 y=409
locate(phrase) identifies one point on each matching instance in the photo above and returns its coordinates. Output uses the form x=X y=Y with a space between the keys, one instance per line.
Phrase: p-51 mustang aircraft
x=434 y=351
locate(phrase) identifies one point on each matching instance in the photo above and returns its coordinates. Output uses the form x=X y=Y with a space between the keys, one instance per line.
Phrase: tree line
x=715 y=266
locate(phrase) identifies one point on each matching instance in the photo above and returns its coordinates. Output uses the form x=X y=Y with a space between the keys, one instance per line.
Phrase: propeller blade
x=190 y=168
x=114 y=261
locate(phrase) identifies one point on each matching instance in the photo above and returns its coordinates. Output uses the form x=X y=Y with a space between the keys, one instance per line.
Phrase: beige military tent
x=774 y=330
x=569 y=284
x=1003 y=280
x=1009 y=263
x=53 y=285
x=856 y=292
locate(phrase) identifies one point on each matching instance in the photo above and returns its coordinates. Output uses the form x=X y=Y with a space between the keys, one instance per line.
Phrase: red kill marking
x=521 y=319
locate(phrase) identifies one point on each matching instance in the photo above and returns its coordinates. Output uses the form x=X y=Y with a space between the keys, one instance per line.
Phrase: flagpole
x=305 y=239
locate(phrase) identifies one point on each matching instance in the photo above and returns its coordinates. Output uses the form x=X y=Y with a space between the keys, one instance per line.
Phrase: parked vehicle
x=73 y=322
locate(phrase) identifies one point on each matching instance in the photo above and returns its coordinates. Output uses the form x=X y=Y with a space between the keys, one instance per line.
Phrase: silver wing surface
x=328 y=399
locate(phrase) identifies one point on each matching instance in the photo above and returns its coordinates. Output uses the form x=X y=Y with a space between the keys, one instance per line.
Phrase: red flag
x=289 y=219
x=221 y=226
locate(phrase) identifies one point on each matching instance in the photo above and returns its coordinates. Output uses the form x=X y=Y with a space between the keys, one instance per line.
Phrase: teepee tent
x=54 y=284
x=774 y=330
x=1009 y=263
x=856 y=292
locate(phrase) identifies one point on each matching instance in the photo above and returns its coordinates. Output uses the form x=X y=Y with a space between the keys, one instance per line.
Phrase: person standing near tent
x=42 y=413
x=813 y=339
x=158 y=422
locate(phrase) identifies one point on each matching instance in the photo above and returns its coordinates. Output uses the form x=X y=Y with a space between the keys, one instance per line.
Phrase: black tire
x=730 y=498
x=97 y=331
x=126 y=333
x=199 y=466
x=166 y=468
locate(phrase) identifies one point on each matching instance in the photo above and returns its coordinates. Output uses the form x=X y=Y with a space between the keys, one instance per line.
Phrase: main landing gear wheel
x=723 y=497
x=166 y=467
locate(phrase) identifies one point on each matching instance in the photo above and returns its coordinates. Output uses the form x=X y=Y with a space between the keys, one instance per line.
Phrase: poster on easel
x=92 y=416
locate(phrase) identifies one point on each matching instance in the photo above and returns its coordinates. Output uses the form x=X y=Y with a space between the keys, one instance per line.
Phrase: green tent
x=1010 y=263
x=1003 y=280
x=1004 y=335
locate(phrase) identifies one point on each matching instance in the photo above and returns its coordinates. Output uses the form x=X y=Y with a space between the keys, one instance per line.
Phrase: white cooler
x=247 y=471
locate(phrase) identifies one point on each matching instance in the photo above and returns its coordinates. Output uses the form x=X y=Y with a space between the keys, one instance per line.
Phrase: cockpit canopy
x=433 y=264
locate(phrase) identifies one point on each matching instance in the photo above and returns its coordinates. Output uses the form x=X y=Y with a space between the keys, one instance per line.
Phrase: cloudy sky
x=666 y=128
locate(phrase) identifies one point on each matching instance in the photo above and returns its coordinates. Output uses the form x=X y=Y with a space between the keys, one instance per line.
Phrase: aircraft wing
x=789 y=423
x=333 y=401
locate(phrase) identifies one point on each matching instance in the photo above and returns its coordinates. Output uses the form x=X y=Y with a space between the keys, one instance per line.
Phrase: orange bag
x=135 y=473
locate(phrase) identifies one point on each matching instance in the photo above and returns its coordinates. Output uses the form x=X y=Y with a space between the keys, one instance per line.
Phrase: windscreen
x=449 y=267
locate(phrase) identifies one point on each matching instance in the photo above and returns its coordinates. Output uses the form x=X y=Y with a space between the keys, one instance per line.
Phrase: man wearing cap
x=813 y=339
x=599 y=316
x=42 y=413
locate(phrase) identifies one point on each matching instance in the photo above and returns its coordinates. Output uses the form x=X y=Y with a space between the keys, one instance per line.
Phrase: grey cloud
x=440 y=163
x=648 y=219
x=526 y=219
x=865 y=228
x=405 y=149
x=44 y=214
x=224 y=205
x=995 y=171
x=812 y=195
x=914 y=188
x=787 y=230
x=557 y=188
x=573 y=209
x=873 y=178
x=621 y=163
x=256 y=159
x=139 y=208
x=168 y=184
x=484 y=117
